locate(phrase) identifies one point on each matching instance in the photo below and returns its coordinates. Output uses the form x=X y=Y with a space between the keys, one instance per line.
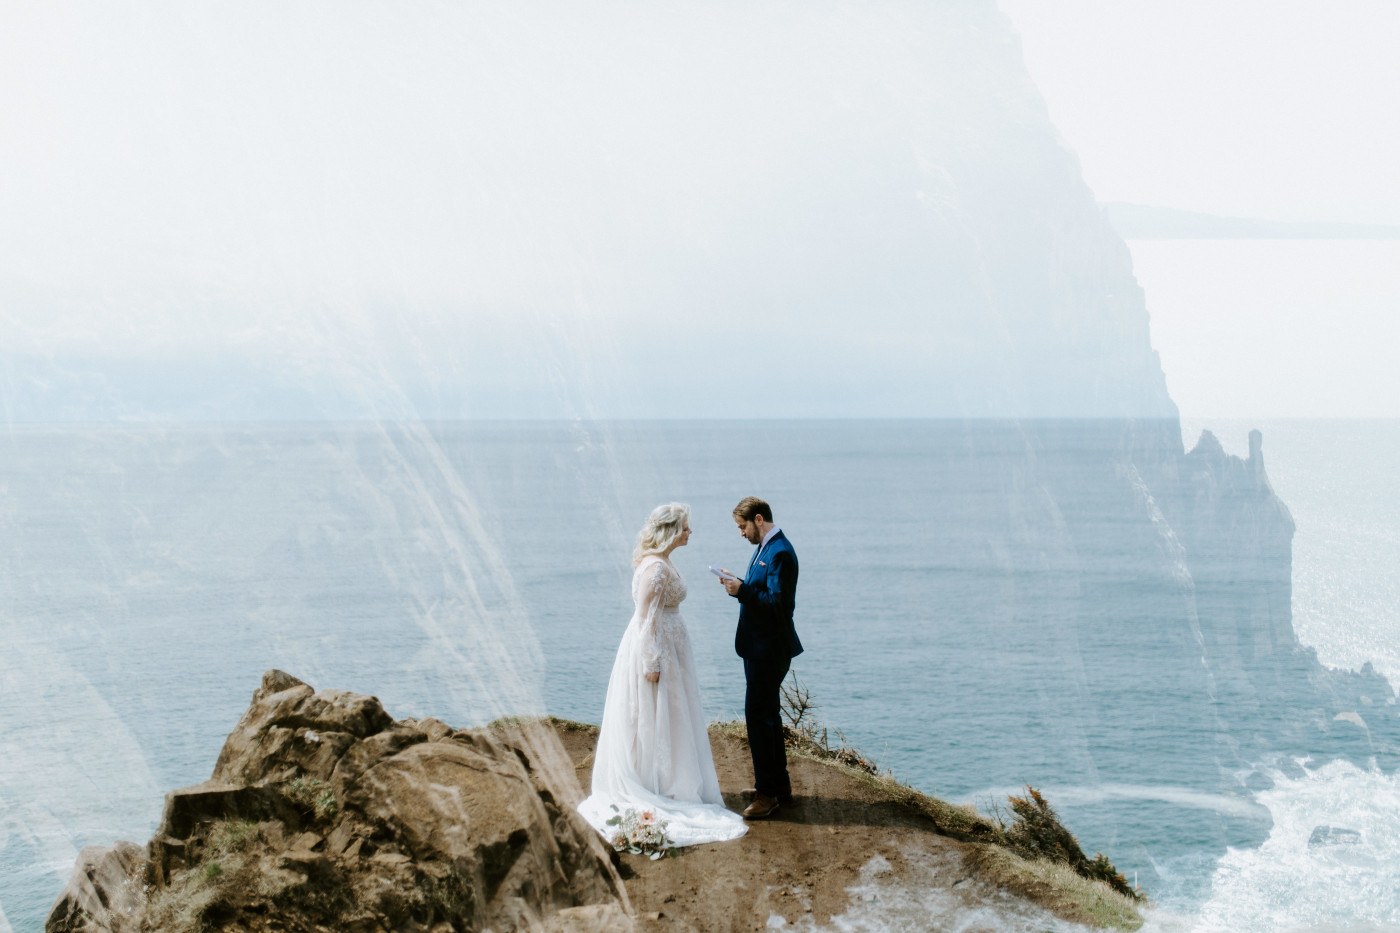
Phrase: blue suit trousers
x=764 y=718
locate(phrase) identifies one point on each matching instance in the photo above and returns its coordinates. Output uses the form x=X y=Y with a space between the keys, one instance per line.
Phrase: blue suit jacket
x=766 y=601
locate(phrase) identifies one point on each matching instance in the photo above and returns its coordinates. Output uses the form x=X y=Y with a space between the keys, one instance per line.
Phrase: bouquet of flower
x=640 y=833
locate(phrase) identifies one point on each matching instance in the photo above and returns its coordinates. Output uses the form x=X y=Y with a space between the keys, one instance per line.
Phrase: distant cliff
x=1141 y=596
x=1237 y=538
x=1149 y=577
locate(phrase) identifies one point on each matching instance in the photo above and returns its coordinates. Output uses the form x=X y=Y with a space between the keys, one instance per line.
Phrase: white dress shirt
x=763 y=544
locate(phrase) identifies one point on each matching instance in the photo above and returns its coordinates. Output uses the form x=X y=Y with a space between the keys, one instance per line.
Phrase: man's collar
x=769 y=537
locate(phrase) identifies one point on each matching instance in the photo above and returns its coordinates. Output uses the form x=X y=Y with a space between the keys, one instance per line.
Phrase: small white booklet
x=722 y=574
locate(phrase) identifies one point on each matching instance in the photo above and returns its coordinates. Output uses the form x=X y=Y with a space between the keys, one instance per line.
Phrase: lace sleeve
x=651 y=597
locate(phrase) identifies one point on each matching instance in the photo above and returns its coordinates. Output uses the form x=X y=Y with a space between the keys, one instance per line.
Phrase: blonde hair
x=664 y=525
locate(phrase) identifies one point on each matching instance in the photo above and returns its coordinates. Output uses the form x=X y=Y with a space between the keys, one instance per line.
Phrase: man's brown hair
x=749 y=506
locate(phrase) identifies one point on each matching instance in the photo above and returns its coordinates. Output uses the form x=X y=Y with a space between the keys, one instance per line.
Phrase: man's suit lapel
x=758 y=552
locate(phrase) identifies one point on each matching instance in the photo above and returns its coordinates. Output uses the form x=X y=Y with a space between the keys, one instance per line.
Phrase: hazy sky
x=1282 y=109
x=523 y=208
x=1279 y=109
x=184 y=189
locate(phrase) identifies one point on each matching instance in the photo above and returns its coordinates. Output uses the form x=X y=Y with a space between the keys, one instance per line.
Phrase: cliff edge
x=323 y=813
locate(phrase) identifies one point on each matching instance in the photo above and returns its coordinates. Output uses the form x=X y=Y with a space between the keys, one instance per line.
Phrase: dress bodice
x=658 y=574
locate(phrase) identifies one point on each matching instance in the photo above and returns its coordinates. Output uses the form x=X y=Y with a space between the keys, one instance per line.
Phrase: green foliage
x=229 y=837
x=312 y=796
x=1100 y=868
x=180 y=907
x=1059 y=888
x=326 y=805
x=1037 y=829
x=1036 y=832
x=803 y=732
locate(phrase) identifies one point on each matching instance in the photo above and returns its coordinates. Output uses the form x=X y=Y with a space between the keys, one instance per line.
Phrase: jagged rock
x=325 y=813
x=189 y=807
x=106 y=892
x=290 y=728
x=1270 y=691
x=1238 y=537
x=1333 y=836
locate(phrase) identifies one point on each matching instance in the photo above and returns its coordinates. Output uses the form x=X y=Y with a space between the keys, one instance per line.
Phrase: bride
x=653 y=752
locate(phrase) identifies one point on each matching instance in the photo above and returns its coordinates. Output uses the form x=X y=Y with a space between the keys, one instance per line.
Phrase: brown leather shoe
x=762 y=807
x=752 y=792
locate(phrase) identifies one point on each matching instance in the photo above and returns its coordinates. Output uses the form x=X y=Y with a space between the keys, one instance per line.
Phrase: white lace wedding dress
x=653 y=750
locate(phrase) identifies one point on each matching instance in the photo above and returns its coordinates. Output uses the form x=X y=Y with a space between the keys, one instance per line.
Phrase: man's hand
x=653 y=676
x=731 y=584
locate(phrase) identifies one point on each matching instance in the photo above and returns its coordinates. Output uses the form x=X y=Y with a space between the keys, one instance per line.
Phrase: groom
x=767 y=642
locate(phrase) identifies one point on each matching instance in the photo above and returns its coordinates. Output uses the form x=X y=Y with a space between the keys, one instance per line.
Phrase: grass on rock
x=312 y=797
x=180 y=907
x=1031 y=851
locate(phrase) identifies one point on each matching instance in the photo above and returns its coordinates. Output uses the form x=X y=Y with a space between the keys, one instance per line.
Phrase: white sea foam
x=1074 y=795
x=1287 y=884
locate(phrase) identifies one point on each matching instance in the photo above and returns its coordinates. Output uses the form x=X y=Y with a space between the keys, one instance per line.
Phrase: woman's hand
x=653 y=676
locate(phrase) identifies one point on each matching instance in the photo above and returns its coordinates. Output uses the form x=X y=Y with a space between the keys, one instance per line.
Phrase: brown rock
x=324 y=813
x=436 y=729
x=594 y=918
x=364 y=754
x=289 y=726
x=188 y=807
x=106 y=893
x=306 y=842
x=456 y=805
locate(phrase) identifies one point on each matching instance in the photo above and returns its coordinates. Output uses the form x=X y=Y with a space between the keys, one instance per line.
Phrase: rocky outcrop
x=1143 y=590
x=325 y=813
x=107 y=892
x=1237 y=540
x=446 y=830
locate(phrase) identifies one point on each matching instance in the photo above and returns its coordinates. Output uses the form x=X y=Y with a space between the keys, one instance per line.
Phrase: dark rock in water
x=1258 y=781
x=1333 y=836
x=325 y=813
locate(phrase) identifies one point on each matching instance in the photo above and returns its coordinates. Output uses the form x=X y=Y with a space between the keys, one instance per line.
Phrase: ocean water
x=149 y=574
